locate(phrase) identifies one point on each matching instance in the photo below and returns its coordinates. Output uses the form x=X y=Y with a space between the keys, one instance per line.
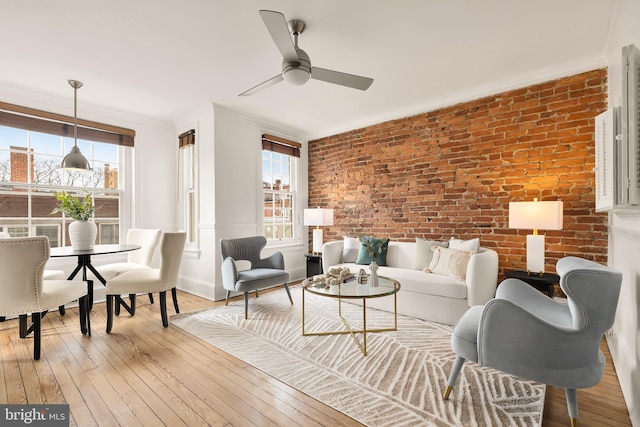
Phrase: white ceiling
x=163 y=59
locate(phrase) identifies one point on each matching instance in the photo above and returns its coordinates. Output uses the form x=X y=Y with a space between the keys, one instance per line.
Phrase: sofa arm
x=482 y=277
x=331 y=254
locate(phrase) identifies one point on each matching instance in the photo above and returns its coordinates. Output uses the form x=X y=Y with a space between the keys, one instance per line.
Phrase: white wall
x=624 y=232
x=229 y=169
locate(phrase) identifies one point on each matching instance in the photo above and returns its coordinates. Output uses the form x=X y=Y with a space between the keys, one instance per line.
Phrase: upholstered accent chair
x=25 y=292
x=149 y=280
x=524 y=333
x=263 y=272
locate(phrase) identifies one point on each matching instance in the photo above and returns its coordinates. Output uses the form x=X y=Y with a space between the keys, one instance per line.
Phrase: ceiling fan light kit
x=296 y=65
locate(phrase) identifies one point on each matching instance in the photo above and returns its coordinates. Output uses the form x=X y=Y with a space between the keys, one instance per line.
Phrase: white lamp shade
x=318 y=217
x=533 y=216
x=536 y=215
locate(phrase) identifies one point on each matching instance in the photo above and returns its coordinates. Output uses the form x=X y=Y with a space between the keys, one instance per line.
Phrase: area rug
x=399 y=383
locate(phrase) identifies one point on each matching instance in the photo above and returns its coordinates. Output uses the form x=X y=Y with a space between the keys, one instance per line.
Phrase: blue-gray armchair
x=524 y=333
x=264 y=272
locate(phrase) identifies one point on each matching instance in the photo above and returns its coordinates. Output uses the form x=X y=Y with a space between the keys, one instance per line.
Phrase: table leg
x=302 y=311
x=364 y=326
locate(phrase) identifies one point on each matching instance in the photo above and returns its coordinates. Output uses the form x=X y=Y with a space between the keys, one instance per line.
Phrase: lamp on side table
x=535 y=215
x=318 y=218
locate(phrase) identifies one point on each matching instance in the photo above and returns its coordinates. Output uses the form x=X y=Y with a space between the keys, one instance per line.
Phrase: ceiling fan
x=296 y=65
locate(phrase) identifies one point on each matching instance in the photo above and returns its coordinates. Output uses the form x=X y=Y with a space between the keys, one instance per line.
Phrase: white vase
x=83 y=235
x=373 y=278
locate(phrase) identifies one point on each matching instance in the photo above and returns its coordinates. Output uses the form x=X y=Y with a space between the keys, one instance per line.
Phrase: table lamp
x=535 y=215
x=318 y=218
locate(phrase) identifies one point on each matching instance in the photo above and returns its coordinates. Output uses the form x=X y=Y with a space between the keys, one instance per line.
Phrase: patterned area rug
x=399 y=383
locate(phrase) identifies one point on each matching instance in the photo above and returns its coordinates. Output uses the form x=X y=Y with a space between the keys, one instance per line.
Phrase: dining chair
x=48 y=274
x=25 y=292
x=147 y=239
x=148 y=280
x=524 y=333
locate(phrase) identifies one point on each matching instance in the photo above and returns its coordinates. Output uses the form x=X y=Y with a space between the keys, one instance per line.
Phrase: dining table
x=84 y=262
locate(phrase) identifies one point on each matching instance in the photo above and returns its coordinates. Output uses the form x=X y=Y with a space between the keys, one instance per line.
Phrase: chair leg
x=453 y=376
x=246 y=305
x=226 y=302
x=150 y=298
x=82 y=305
x=110 y=302
x=572 y=405
x=132 y=299
x=174 y=296
x=163 y=308
x=37 y=338
x=256 y=293
x=61 y=310
x=118 y=301
x=24 y=329
x=286 y=287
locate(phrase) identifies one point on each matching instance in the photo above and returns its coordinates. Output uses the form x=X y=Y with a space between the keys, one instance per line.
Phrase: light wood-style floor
x=143 y=374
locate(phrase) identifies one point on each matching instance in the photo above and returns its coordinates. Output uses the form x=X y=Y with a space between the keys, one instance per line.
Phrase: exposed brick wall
x=453 y=171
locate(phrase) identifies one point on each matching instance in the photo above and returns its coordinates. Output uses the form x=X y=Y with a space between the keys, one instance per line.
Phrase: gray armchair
x=524 y=333
x=264 y=272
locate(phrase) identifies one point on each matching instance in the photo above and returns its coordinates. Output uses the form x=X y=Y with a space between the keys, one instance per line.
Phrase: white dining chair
x=148 y=280
x=25 y=292
x=48 y=274
x=147 y=239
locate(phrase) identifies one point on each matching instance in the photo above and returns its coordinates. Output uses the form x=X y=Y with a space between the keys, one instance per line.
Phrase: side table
x=314 y=264
x=544 y=282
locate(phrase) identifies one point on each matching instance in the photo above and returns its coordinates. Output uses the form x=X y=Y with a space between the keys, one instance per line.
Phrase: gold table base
x=353 y=332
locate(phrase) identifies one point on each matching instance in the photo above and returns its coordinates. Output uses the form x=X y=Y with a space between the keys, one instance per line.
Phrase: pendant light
x=75 y=161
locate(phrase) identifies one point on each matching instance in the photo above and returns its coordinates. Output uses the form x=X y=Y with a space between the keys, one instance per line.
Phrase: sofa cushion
x=378 y=246
x=450 y=262
x=350 y=249
x=465 y=245
x=424 y=253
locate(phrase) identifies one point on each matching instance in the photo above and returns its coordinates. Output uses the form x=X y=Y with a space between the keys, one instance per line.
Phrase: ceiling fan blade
x=277 y=26
x=344 y=79
x=263 y=85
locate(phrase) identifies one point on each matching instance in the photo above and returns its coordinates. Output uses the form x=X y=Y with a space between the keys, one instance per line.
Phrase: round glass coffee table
x=353 y=291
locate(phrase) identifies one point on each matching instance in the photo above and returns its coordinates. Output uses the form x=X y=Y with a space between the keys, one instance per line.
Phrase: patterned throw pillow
x=379 y=248
x=450 y=262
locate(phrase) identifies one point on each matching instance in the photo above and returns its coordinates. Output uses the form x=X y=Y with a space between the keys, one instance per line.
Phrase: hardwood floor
x=144 y=374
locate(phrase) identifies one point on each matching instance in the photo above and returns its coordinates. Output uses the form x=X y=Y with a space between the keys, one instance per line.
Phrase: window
x=30 y=175
x=279 y=170
x=186 y=144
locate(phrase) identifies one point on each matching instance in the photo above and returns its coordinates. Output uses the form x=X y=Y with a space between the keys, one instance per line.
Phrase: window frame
x=290 y=149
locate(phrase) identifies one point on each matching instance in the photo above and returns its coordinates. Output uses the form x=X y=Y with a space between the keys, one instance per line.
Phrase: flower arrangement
x=72 y=207
x=373 y=246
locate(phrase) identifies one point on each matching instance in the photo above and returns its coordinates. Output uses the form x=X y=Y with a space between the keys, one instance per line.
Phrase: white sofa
x=429 y=296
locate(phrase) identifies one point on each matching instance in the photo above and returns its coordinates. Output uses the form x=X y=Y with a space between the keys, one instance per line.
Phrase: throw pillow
x=350 y=249
x=465 y=245
x=370 y=248
x=424 y=253
x=450 y=262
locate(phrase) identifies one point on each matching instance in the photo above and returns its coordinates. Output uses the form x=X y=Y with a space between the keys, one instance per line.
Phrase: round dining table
x=84 y=262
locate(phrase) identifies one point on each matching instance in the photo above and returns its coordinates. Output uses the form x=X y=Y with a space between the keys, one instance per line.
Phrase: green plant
x=72 y=207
